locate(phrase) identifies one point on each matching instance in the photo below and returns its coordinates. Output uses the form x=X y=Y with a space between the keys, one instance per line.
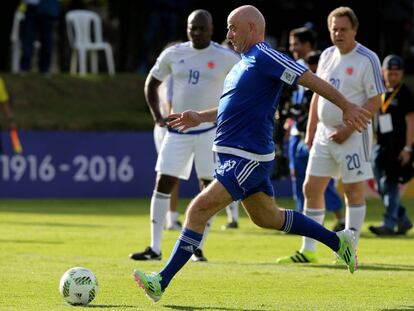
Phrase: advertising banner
x=60 y=164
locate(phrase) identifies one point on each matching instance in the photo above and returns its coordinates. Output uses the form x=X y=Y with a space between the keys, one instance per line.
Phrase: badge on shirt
x=288 y=76
x=385 y=123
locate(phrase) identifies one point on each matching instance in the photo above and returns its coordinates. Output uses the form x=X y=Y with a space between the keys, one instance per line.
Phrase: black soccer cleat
x=339 y=226
x=230 y=225
x=198 y=255
x=148 y=254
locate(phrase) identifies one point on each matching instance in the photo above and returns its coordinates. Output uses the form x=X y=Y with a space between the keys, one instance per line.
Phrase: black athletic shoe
x=148 y=254
x=198 y=255
x=403 y=227
x=339 y=227
x=230 y=225
x=381 y=231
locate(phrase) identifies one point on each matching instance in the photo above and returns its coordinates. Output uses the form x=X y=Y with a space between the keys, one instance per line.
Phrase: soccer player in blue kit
x=245 y=148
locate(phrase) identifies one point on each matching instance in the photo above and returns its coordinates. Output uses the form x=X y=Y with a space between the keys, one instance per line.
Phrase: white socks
x=172 y=217
x=355 y=216
x=160 y=203
x=318 y=215
x=232 y=211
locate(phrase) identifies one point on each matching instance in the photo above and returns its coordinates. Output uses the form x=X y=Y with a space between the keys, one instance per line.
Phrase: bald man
x=245 y=147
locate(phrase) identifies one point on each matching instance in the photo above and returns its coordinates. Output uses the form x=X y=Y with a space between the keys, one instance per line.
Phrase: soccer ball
x=78 y=286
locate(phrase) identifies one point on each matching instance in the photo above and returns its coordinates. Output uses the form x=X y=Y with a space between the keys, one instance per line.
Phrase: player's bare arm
x=343 y=132
x=353 y=115
x=405 y=154
x=312 y=121
x=152 y=99
x=189 y=118
x=373 y=104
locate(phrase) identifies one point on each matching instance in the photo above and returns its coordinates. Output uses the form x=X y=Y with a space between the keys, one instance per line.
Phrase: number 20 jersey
x=198 y=74
x=357 y=75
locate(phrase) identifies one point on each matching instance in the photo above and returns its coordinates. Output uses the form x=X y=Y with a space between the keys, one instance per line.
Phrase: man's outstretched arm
x=190 y=118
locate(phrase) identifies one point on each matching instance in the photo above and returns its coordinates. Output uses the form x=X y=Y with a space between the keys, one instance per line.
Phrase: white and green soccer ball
x=78 y=286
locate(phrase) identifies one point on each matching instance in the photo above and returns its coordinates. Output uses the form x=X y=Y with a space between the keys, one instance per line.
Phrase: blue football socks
x=297 y=223
x=183 y=250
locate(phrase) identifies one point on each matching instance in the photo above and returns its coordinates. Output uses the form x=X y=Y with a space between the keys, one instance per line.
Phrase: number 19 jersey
x=198 y=74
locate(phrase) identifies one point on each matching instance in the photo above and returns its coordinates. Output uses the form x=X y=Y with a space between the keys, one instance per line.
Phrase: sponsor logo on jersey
x=225 y=167
x=349 y=71
x=211 y=65
x=288 y=76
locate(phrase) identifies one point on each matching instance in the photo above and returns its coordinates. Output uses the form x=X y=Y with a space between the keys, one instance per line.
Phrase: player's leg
x=356 y=207
x=333 y=204
x=232 y=211
x=301 y=157
x=205 y=162
x=314 y=208
x=206 y=204
x=160 y=203
x=172 y=164
x=296 y=183
x=321 y=166
x=198 y=253
x=262 y=209
x=356 y=169
x=172 y=222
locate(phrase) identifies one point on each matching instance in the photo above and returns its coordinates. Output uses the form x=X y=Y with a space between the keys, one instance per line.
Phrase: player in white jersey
x=198 y=69
x=336 y=149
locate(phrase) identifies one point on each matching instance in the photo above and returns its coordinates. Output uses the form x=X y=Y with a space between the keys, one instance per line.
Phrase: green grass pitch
x=41 y=239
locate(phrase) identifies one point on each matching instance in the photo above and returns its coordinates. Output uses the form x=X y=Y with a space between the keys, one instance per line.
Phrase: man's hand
x=404 y=156
x=161 y=122
x=357 y=117
x=184 y=121
x=309 y=139
x=341 y=134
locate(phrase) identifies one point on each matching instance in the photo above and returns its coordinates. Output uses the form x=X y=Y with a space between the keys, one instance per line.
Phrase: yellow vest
x=4 y=96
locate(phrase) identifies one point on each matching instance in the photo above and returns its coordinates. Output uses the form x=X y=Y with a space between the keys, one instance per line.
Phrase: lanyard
x=386 y=103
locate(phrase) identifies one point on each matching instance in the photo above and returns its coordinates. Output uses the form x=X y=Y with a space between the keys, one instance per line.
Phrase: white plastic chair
x=15 y=45
x=84 y=31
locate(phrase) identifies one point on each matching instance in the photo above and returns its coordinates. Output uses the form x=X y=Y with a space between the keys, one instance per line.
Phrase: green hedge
x=97 y=102
x=64 y=102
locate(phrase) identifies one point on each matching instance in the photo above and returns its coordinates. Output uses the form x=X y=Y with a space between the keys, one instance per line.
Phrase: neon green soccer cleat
x=150 y=283
x=299 y=257
x=347 y=251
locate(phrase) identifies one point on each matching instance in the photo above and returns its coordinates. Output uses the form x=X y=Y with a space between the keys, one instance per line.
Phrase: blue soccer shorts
x=242 y=177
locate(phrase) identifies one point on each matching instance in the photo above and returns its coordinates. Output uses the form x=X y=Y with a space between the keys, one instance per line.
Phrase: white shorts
x=179 y=150
x=350 y=160
x=159 y=134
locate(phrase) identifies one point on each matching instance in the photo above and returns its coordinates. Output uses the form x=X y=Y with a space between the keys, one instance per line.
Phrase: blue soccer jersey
x=247 y=107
